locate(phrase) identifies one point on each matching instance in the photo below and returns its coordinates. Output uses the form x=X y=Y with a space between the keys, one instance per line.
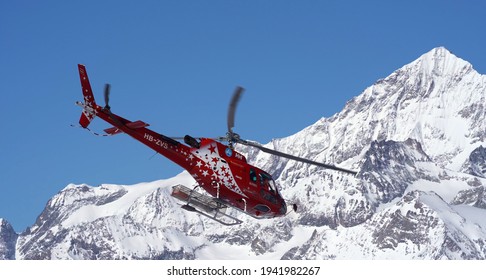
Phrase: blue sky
x=175 y=64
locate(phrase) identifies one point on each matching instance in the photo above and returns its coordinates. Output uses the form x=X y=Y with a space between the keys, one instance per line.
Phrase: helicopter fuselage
x=217 y=168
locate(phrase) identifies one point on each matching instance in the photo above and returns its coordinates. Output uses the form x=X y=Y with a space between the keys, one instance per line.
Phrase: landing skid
x=207 y=206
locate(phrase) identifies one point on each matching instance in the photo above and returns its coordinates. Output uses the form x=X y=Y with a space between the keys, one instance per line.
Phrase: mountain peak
x=439 y=51
x=440 y=62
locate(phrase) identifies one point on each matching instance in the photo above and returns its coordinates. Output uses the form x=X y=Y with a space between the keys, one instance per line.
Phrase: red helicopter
x=217 y=168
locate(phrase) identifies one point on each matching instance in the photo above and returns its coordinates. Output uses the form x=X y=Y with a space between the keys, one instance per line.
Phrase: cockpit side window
x=253 y=175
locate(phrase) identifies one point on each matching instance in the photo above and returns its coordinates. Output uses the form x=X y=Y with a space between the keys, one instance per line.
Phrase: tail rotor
x=107 y=96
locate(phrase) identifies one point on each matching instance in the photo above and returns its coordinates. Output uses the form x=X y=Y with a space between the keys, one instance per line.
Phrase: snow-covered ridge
x=417 y=138
x=437 y=100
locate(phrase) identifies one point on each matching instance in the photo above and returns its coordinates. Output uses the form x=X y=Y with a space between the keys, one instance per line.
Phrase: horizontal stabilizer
x=131 y=125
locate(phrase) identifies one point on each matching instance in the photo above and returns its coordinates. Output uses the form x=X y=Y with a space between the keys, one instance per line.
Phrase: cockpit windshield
x=268 y=181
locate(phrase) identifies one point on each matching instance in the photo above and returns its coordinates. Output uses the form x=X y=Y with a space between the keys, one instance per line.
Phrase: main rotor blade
x=296 y=158
x=232 y=108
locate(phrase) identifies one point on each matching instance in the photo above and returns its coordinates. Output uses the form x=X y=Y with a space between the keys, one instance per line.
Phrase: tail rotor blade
x=107 y=96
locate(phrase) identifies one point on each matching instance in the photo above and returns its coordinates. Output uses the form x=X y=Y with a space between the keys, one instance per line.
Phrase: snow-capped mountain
x=417 y=138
